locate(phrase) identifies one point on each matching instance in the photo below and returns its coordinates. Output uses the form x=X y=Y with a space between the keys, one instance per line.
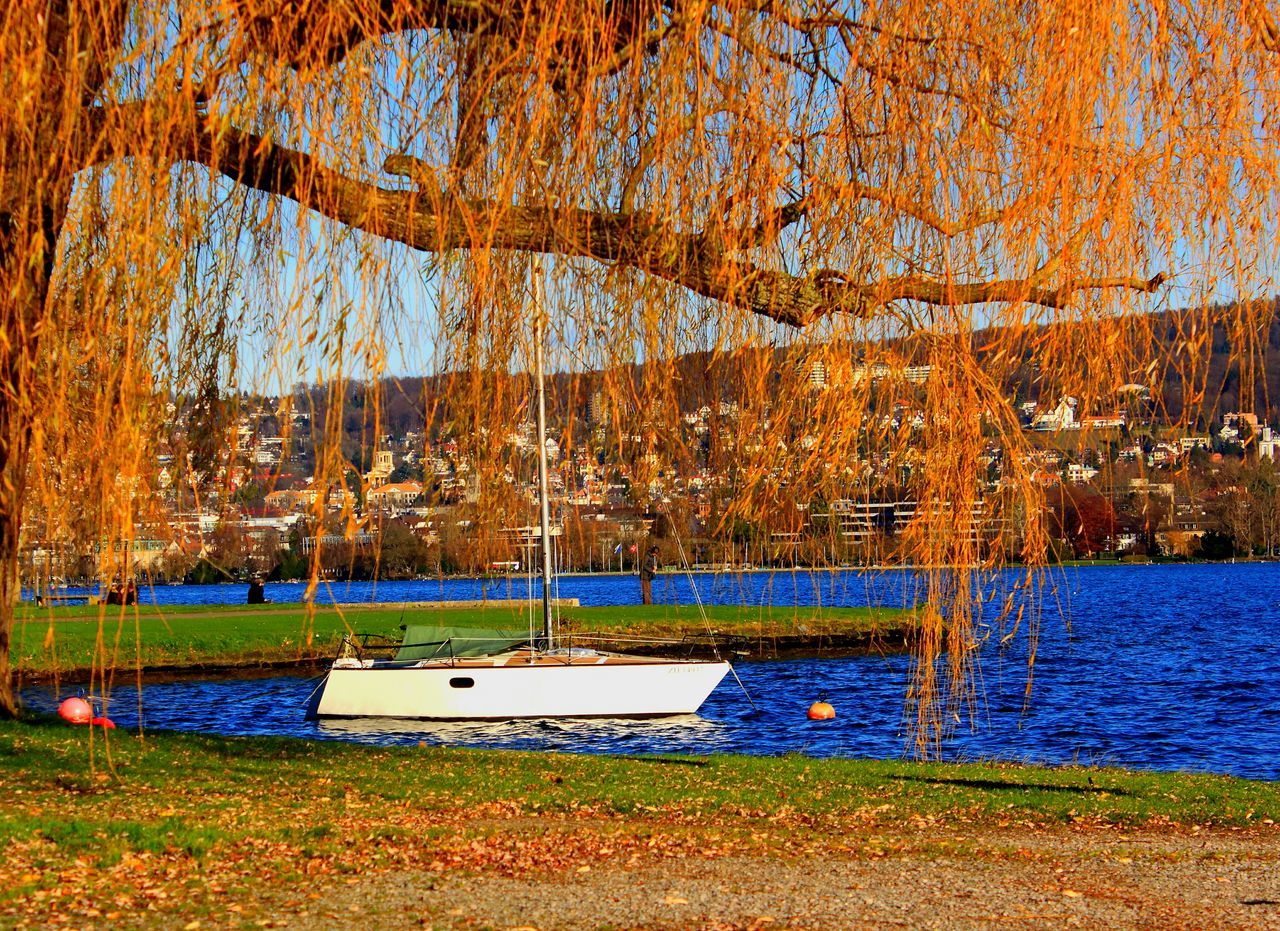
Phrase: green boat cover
x=440 y=642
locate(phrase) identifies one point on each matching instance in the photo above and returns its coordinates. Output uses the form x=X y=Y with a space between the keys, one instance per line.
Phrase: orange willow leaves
x=206 y=195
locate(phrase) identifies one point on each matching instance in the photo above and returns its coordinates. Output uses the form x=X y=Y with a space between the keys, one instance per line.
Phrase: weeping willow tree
x=196 y=191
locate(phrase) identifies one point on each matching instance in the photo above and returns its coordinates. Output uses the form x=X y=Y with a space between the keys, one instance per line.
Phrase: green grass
x=75 y=638
x=190 y=825
x=109 y=842
x=186 y=790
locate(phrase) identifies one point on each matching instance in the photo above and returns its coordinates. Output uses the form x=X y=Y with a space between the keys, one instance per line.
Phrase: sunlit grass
x=185 y=791
x=204 y=825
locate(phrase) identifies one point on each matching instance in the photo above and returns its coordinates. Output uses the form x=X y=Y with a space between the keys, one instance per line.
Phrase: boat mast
x=544 y=495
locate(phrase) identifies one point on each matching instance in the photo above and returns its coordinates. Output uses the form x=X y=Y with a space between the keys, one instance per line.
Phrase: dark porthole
x=462 y=682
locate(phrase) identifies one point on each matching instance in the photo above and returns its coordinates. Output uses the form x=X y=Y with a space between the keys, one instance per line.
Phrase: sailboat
x=455 y=674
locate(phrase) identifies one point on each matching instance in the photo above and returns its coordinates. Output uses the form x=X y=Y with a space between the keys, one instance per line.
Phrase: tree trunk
x=72 y=45
x=12 y=482
x=17 y=356
x=28 y=227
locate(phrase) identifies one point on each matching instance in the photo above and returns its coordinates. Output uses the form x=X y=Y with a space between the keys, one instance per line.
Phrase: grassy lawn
x=192 y=822
x=75 y=638
x=69 y=774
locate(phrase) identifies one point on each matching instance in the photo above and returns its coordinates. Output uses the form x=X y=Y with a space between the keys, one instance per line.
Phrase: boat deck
x=524 y=657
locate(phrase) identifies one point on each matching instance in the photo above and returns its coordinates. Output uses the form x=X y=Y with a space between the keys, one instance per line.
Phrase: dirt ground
x=996 y=878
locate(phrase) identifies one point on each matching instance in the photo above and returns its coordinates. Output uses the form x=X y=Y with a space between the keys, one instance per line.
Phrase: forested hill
x=1207 y=344
x=1199 y=355
x=1248 y=337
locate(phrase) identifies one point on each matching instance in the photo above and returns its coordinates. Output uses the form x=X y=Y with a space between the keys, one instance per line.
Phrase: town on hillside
x=1128 y=475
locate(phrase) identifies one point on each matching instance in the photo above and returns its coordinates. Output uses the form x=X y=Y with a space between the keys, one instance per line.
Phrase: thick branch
x=1266 y=29
x=643 y=159
x=1019 y=290
x=697 y=261
x=417 y=171
x=324 y=32
x=694 y=260
x=776 y=220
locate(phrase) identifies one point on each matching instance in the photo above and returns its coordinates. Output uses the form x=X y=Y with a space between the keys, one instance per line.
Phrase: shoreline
x=28 y=590
x=756 y=650
x=163 y=643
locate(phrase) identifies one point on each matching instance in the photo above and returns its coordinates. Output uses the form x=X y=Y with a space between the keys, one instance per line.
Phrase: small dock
x=51 y=600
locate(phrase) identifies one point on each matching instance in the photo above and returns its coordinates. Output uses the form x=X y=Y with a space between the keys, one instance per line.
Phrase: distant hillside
x=1203 y=353
x=1209 y=342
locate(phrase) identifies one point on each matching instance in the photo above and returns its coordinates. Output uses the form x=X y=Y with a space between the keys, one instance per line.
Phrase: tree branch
x=1265 y=28
x=925 y=215
x=643 y=159
x=776 y=220
x=894 y=78
x=697 y=261
x=1008 y=291
x=324 y=32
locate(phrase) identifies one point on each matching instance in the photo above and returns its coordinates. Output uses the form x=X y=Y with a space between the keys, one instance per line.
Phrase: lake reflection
x=685 y=730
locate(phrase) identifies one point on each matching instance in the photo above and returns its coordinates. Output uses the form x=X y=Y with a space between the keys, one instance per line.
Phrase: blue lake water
x=1163 y=667
x=778 y=588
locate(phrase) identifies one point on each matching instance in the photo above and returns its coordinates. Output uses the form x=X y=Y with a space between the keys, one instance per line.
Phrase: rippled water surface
x=1166 y=667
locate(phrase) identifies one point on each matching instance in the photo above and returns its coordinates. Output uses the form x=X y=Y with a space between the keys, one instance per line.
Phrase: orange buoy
x=821 y=711
x=104 y=723
x=75 y=711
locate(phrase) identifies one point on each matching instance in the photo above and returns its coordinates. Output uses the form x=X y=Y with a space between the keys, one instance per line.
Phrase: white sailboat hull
x=643 y=688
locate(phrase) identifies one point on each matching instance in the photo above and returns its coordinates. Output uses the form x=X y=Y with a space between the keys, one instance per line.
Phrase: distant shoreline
x=28 y=590
x=251 y=641
x=782 y=647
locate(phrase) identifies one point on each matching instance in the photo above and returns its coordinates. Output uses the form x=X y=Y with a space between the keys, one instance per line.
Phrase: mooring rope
x=702 y=611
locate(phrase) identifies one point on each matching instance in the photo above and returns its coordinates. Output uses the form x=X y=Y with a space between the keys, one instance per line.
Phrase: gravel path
x=1001 y=877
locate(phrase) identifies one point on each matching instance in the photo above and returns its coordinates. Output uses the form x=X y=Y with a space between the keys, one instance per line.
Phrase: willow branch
x=780 y=13
x=896 y=79
x=643 y=160
x=736 y=33
x=1007 y=291
x=694 y=260
x=1266 y=29
x=325 y=32
x=698 y=261
x=776 y=220
x=918 y=211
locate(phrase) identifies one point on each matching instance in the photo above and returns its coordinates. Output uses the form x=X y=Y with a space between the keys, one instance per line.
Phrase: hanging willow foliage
x=203 y=194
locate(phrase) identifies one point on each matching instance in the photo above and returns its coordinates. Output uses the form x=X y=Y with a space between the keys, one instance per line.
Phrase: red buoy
x=75 y=711
x=104 y=722
x=821 y=711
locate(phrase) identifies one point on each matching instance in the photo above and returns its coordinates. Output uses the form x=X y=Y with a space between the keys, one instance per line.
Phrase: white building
x=394 y=495
x=1078 y=474
x=876 y=371
x=1062 y=417
x=384 y=463
x=1268 y=443
x=815 y=373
